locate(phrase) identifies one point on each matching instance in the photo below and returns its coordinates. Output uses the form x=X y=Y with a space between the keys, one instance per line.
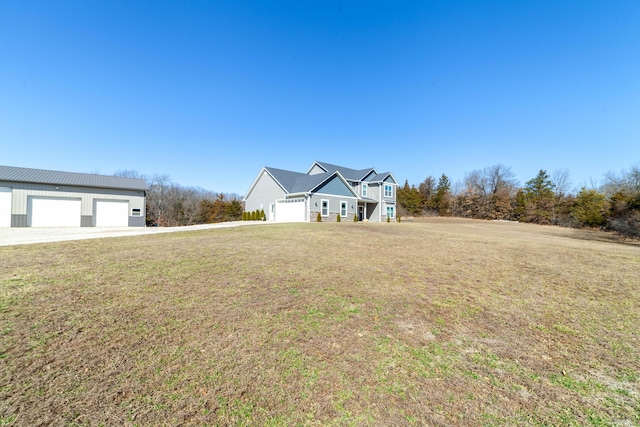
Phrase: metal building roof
x=41 y=176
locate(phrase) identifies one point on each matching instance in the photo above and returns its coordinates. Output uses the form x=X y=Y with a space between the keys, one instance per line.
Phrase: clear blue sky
x=208 y=92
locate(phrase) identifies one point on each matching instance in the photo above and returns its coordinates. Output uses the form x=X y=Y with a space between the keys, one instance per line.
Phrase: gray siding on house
x=374 y=215
x=334 y=205
x=316 y=170
x=334 y=186
x=393 y=192
x=265 y=191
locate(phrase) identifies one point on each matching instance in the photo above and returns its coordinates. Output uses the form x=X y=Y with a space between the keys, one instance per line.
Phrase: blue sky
x=208 y=92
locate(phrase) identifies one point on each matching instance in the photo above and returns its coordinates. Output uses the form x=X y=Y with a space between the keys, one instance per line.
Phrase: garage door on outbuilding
x=112 y=213
x=5 y=207
x=54 y=212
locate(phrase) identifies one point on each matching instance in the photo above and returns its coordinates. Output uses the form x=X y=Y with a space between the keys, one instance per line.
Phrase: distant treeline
x=494 y=193
x=170 y=204
x=489 y=193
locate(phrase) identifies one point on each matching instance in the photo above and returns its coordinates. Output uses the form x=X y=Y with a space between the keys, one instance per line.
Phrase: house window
x=388 y=191
x=364 y=190
x=325 y=208
x=343 y=209
x=135 y=212
x=391 y=212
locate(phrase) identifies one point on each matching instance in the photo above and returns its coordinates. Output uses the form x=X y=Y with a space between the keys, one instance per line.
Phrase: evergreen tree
x=440 y=199
x=410 y=199
x=590 y=208
x=539 y=199
x=520 y=206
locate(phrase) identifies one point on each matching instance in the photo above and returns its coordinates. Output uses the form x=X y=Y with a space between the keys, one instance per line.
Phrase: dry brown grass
x=439 y=322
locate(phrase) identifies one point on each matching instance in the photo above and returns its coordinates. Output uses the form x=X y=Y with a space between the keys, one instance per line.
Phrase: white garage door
x=111 y=213
x=54 y=212
x=5 y=207
x=290 y=210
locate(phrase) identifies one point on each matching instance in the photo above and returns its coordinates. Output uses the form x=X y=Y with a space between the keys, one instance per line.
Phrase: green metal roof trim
x=42 y=176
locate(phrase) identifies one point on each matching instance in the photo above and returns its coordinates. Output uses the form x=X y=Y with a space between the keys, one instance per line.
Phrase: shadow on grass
x=598 y=236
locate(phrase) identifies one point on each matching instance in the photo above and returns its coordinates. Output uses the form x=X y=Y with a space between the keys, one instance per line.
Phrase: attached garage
x=112 y=213
x=54 y=212
x=45 y=198
x=291 y=210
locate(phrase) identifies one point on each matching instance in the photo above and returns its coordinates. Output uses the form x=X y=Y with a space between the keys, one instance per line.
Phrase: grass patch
x=435 y=322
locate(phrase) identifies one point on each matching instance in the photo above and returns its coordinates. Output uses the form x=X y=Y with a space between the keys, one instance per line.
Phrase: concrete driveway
x=27 y=235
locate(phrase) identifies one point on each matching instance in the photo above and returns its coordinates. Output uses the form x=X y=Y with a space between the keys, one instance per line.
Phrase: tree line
x=170 y=204
x=494 y=193
x=491 y=193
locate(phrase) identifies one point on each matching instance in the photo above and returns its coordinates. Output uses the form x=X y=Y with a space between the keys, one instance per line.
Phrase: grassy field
x=435 y=322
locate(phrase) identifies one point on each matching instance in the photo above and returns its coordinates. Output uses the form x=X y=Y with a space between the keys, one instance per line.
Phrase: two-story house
x=332 y=190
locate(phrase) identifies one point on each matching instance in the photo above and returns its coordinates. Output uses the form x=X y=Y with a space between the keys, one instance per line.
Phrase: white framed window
x=388 y=190
x=325 y=207
x=365 y=188
x=343 y=209
x=391 y=212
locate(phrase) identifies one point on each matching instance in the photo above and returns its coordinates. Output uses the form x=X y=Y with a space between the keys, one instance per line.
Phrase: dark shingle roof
x=379 y=177
x=347 y=173
x=41 y=176
x=296 y=182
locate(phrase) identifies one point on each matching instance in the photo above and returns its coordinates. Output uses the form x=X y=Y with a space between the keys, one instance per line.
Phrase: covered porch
x=367 y=209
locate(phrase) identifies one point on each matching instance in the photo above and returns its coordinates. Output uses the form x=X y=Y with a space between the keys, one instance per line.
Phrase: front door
x=360 y=213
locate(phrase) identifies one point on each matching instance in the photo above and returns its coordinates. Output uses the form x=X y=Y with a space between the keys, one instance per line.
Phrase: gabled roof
x=296 y=182
x=286 y=179
x=42 y=176
x=347 y=173
x=380 y=177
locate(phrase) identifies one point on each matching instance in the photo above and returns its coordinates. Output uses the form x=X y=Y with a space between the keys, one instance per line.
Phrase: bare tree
x=500 y=178
x=157 y=202
x=129 y=173
x=488 y=192
x=561 y=179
